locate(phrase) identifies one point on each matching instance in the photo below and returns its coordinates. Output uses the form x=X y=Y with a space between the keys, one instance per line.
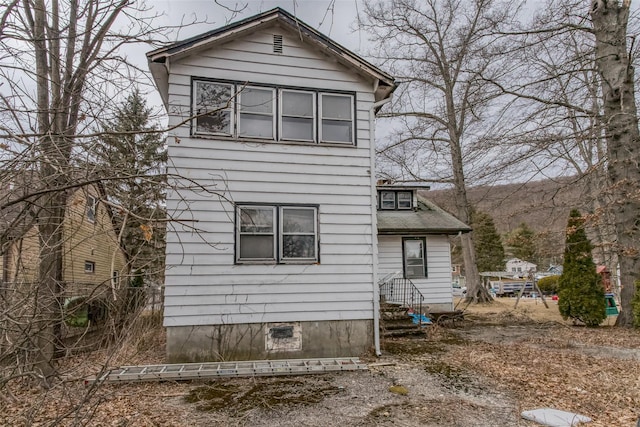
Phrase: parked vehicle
x=459 y=291
x=511 y=288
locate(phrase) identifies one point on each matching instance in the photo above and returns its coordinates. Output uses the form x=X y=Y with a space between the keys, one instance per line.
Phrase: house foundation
x=258 y=341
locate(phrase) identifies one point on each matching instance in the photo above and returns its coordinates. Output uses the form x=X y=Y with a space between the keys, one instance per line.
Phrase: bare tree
x=442 y=52
x=61 y=67
x=610 y=21
x=558 y=112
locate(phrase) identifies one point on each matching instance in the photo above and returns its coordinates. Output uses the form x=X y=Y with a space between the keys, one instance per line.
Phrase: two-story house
x=274 y=253
x=93 y=261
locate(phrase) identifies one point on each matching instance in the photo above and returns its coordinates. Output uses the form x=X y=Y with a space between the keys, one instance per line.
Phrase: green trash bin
x=612 y=308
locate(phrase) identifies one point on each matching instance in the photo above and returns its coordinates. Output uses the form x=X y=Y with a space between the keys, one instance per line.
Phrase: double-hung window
x=213 y=105
x=256 y=233
x=297 y=120
x=237 y=110
x=414 y=251
x=298 y=233
x=282 y=234
x=336 y=112
x=257 y=113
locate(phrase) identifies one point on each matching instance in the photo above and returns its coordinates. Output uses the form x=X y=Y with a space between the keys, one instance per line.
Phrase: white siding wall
x=436 y=288
x=203 y=285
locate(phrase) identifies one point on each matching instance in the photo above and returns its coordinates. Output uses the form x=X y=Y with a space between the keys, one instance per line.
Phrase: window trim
x=231 y=108
x=321 y=117
x=278 y=234
x=273 y=115
x=382 y=193
x=90 y=267
x=396 y=200
x=92 y=208
x=281 y=115
x=281 y=235
x=402 y=208
x=240 y=233
x=278 y=90
x=424 y=257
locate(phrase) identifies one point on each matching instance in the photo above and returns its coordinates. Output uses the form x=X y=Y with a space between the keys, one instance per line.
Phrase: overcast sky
x=334 y=18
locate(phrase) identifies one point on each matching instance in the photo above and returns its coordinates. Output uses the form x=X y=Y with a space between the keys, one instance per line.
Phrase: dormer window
x=395 y=200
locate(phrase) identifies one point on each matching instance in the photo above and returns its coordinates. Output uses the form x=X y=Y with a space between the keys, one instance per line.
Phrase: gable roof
x=159 y=58
x=426 y=219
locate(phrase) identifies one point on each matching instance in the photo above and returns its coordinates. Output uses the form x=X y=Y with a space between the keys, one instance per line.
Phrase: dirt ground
x=482 y=371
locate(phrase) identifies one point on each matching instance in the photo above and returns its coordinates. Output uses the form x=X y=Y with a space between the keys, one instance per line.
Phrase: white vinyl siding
x=437 y=287
x=204 y=283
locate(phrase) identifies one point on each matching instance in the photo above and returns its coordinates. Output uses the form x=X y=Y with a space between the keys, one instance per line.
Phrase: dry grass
x=483 y=372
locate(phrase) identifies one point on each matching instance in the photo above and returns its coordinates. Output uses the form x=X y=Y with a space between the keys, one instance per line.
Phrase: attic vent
x=277 y=43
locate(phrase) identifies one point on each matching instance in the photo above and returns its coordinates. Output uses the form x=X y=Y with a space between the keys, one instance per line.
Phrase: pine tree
x=133 y=152
x=581 y=295
x=488 y=246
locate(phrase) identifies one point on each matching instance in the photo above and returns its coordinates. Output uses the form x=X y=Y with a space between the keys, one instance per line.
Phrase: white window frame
x=230 y=107
x=92 y=208
x=234 y=111
x=281 y=235
x=240 y=233
x=398 y=193
x=382 y=206
x=321 y=118
x=273 y=114
x=89 y=267
x=278 y=234
x=424 y=273
x=281 y=115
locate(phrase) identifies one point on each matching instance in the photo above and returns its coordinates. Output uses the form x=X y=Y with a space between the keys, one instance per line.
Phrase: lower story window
x=414 y=254
x=275 y=233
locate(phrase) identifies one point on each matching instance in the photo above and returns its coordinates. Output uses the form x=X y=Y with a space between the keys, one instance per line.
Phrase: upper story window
x=89 y=267
x=297 y=120
x=337 y=118
x=273 y=113
x=92 y=205
x=393 y=199
x=213 y=108
x=256 y=113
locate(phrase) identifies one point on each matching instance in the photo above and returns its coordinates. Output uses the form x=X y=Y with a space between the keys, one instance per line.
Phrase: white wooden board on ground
x=554 y=417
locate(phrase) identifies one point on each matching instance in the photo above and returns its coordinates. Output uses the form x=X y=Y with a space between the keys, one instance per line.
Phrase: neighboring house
x=413 y=238
x=91 y=254
x=276 y=256
x=516 y=265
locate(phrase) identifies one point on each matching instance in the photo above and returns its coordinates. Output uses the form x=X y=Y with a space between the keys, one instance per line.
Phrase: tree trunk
x=475 y=291
x=610 y=20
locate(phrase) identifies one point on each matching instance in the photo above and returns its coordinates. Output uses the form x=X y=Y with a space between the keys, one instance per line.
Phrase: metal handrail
x=403 y=292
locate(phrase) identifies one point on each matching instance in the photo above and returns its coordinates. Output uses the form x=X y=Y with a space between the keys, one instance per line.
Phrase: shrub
x=549 y=285
x=580 y=291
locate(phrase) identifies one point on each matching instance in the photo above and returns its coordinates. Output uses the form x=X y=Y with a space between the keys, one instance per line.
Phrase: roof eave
x=386 y=84
x=422 y=231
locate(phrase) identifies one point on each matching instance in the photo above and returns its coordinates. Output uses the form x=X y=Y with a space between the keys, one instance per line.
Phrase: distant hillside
x=543 y=205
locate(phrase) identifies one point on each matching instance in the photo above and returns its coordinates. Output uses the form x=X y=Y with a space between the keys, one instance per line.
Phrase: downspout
x=374 y=227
